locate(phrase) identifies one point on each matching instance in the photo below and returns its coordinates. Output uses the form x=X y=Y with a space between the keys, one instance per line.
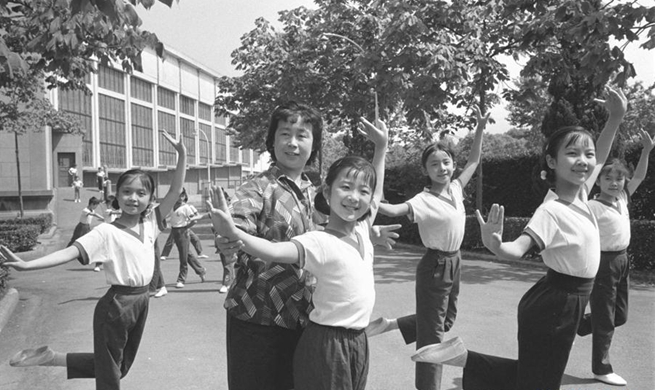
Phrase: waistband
x=181 y=227
x=442 y=253
x=614 y=253
x=572 y=284
x=127 y=290
x=354 y=332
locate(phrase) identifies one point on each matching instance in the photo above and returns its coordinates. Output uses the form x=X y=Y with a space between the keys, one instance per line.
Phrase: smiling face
x=350 y=195
x=293 y=146
x=440 y=167
x=611 y=183
x=133 y=196
x=575 y=161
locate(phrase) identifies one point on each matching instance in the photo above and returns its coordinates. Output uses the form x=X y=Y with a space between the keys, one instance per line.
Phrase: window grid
x=167 y=154
x=112 y=131
x=234 y=152
x=205 y=112
x=142 y=130
x=166 y=98
x=220 y=146
x=141 y=89
x=187 y=128
x=187 y=105
x=79 y=104
x=111 y=79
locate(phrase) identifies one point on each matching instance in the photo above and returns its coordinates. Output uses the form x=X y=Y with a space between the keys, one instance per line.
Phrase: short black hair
x=291 y=111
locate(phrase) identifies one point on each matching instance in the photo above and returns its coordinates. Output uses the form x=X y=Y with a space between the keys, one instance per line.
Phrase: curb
x=7 y=305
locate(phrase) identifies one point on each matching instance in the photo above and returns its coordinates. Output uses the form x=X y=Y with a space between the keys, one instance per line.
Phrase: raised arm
x=277 y=252
x=379 y=134
x=492 y=236
x=52 y=260
x=175 y=189
x=616 y=104
x=476 y=148
x=647 y=144
x=394 y=210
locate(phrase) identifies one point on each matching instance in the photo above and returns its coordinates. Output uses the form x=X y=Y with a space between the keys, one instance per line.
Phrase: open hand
x=177 y=144
x=616 y=103
x=384 y=235
x=481 y=120
x=220 y=215
x=647 y=141
x=492 y=230
x=377 y=133
x=11 y=260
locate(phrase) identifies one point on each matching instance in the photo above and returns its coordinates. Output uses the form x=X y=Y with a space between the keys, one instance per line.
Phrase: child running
x=566 y=233
x=125 y=247
x=440 y=215
x=332 y=352
x=87 y=215
x=181 y=220
x=609 y=297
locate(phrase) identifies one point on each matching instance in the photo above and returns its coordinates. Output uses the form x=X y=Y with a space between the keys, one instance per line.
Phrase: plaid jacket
x=273 y=207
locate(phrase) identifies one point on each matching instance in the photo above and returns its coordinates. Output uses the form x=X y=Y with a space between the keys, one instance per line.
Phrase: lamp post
x=209 y=177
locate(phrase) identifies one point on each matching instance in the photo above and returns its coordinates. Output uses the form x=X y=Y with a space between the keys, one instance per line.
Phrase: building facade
x=122 y=118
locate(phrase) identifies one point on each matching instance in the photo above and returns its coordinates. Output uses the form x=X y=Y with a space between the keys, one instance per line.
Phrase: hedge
x=44 y=221
x=642 y=244
x=19 y=238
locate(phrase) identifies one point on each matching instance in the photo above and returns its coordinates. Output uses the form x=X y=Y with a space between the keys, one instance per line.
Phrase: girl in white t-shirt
x=333 y=350
x=609 y=297
x=126 y=248
x=566 y=233
x=440 y=215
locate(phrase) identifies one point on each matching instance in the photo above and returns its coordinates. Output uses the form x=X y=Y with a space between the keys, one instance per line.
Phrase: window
x=167 y=154
x=112 y=131
x=187 y=105
x=221 y=147
x=79 y=104
x=166 y=98
x=141 y=89
x=234 y=151
x=111 y=79
x=188 y=130
x=142 y=140
x=246 y=156
x=205 y=112
x=204 y=153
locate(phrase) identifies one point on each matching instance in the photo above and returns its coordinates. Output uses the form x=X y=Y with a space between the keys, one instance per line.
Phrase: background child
x=609 y=297
x=332 y=352
x=566 y=232
x=181 y=219
x=87 y=215
x=77 y=185
x=125 y=247
x=100 y=177
x=440 y=215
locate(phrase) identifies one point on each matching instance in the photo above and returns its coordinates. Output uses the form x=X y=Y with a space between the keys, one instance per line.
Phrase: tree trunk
x=478 y=192
x=20 y=190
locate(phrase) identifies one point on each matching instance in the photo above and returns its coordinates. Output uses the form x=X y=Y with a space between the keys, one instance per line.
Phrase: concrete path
x=183 y=346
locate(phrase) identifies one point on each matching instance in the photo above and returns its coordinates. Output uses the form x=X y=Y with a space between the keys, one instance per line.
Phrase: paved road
x=183 y=346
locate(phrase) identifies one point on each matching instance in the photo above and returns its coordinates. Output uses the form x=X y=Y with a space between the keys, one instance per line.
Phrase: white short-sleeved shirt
x=181 y=216
x=567 y=235
x=613 y=223
x=440 y=221
x=129 y=260
x=86 y=216
x=345 y=293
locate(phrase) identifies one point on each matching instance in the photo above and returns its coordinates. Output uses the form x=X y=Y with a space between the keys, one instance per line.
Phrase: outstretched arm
x=616 y=104
x=52 y=260
x=492 y=236
x=379 y=134
x=476 y=148
x=642 y=166
x=175 y=189
x=394 y=210
x=277 y=252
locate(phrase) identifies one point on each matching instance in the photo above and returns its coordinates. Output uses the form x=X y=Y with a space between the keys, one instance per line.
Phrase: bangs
x=578 y=138
x=365 y=173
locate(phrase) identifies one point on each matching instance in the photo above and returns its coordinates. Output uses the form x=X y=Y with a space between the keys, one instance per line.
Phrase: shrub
x=642 y=245
x=18 y=237
x=44 y=221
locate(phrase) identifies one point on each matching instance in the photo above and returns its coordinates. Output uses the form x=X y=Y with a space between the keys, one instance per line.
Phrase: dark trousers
x=437 y=289
x=118 y=323
x=609 y=308
x=193 y=238
x=228 y=269
x=258 y=356
x=157 y=281
x=548 y=317
x=80 y=230
x=181 y=238
x=329 y=357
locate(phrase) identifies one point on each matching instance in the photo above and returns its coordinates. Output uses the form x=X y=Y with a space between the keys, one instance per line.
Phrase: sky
x=208 y=31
